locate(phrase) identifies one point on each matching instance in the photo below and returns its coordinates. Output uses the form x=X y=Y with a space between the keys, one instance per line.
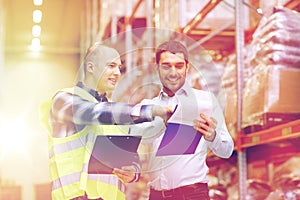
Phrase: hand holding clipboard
x=178 y=139
x=181 y=138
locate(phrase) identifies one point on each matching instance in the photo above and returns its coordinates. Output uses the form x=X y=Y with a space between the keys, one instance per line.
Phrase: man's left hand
x=207 y=128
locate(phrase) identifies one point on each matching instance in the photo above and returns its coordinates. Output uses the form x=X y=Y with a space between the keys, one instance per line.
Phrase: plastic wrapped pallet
x=277 y=40
x=256 y=190
x=229 y=85
x=229 y=76
x=229 y=80
x=270 y=47
x=276 y=53
x=286 y=180
x=218 y=192
x=272 y=91
x=282 y=18
x=280 y=36
x=291 y=166
x=231 y=110
x=271 y=97
x=275 y=57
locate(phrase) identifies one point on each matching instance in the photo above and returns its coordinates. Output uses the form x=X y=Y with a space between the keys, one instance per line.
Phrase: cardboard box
x=271 y=89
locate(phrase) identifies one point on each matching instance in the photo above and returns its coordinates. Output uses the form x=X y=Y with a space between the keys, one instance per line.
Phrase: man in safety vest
x=75 y=116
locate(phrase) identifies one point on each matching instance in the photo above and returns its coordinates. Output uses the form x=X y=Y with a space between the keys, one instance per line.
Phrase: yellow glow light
x=37 y=2
x=35 y=44
x=36 y=30
x=37 y=16
x=13 y=137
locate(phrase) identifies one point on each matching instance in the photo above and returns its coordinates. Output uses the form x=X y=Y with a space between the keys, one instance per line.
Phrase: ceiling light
x=36 y=30
x=37 y=2
x=35 y=44
x=37 y=16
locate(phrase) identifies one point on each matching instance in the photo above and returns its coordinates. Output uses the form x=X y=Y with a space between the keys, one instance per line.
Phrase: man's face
x=108 y=72
x=172 y=70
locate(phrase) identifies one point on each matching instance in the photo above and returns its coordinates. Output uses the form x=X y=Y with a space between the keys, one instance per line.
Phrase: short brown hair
x=173 y=47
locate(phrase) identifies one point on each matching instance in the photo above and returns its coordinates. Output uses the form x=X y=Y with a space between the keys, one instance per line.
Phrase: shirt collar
x=89 y=90
x=184 y=90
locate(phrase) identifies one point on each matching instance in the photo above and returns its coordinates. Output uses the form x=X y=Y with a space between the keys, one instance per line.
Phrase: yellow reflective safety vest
x=69 y=157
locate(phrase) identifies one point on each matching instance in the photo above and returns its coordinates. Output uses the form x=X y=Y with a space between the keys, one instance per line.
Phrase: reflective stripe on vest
x=70 y=145
x=66 y=180
x=69 y=158
x=75 y=177
x=97 y=183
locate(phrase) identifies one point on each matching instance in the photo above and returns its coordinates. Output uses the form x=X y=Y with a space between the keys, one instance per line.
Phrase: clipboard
x=179 y=139
x=113 y=151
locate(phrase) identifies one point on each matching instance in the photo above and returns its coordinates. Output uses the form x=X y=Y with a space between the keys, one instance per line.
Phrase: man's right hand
x=164 y=112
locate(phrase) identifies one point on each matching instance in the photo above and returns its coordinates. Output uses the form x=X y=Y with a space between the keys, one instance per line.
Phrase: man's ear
x=90 y=67
x=187 y=67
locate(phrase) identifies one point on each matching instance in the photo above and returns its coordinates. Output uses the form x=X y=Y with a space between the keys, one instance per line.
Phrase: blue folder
x=179 y=139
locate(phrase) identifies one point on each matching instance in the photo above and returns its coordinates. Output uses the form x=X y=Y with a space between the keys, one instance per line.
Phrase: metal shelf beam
x=292 y=4
x=200 y=16
x=274 y=134
x=129 y=20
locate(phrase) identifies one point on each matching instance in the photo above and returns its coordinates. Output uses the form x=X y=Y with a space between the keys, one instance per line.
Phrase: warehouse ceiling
x=60 y=25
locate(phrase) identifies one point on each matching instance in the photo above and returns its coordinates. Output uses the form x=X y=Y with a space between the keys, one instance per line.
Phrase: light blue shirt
x=169 y=172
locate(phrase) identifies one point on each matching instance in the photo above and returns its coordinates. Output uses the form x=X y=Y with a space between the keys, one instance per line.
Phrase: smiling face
x=172 y=70
x=108 y=71
x=103 y=68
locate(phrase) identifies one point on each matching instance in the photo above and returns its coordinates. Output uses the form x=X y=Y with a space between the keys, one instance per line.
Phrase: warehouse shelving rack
x=245 y=142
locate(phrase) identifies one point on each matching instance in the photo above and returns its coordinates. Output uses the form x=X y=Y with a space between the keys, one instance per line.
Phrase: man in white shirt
x=183 y=176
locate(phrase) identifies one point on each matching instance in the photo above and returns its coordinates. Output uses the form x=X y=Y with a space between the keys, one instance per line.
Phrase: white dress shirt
x=169 y=172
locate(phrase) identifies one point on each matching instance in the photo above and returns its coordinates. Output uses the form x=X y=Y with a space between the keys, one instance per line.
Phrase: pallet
x=270 y=120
